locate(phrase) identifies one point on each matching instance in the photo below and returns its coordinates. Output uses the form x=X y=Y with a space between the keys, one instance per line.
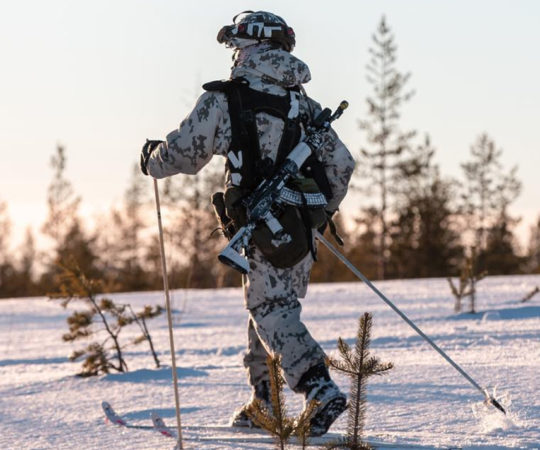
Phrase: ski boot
x=316 y=384
x=240 y=417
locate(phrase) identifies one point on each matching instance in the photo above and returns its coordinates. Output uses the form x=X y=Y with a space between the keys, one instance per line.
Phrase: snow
x=423 y=402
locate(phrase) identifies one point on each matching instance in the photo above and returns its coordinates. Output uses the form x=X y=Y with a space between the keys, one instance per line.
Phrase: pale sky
x=100 y=77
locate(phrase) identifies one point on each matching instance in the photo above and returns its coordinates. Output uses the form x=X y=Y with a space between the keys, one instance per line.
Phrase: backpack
x=246 y=169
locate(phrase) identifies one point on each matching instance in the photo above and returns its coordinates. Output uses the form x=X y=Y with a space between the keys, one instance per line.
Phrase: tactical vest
x=247 y=168
x=245 y=164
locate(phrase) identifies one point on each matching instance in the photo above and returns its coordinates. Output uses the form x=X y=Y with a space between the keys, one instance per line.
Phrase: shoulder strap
x=244 y=160
x=242 y=154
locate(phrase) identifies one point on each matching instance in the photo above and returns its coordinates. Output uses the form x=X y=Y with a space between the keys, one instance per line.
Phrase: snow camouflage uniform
x=271 y=294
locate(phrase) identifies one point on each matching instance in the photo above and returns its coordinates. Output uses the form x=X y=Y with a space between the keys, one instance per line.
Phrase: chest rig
x=245 y=163
x=296 y=215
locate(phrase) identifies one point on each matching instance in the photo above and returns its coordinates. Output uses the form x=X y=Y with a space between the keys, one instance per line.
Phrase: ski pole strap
x=333 y=230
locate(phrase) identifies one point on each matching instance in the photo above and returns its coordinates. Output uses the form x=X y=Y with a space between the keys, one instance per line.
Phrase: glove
x=146 y=151
x=329 y=215
x=333 y=230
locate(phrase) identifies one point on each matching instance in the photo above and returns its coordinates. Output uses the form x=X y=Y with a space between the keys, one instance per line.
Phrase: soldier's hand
x=146 y=151
x=329 y=215
x=329 y=222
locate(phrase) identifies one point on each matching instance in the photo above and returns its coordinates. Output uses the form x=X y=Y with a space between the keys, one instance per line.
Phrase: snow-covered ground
x=422 y=402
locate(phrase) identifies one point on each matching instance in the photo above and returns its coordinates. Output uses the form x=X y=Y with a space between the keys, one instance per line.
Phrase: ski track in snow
x=423 y=401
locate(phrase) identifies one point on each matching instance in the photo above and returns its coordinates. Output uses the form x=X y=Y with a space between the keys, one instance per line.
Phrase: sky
x=100 y=77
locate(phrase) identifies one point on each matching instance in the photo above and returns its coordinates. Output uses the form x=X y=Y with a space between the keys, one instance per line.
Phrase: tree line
x=417 y=222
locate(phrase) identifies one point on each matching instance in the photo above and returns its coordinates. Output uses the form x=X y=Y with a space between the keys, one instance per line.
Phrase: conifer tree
x=22 y=281
x=105 y=354
x=123 y=247
x=63 y=203
x=99 y=358
x=5 y=230
x=276 y=421
x=27 y=260
x=425 y=242
x=358 y=365
x=533 y=253
x=7 y=268
x=499 y=256
x=487 y=190
x=363 y=244
x=388 y=143
x=16 y=273
x=64 y=227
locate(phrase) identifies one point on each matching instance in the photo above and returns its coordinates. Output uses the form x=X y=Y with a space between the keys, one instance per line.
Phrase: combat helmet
x=249 y=26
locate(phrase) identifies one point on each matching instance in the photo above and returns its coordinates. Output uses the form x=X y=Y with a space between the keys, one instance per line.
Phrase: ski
x=112 y=417
x=239 y=435
x=244 y=435
x=157 y=422
x=320 y=441
x=159 y=425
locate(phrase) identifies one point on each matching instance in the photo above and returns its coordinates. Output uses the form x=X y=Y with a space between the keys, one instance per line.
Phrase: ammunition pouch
x=287 y=254
x=308 y=188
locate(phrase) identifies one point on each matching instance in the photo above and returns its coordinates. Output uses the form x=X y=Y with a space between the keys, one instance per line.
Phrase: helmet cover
x=257 y=26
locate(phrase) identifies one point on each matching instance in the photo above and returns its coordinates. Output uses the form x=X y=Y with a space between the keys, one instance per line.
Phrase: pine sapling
x=358 y=365
x=276 y=421
x=468 y=280
x=140 y=319
x=99 y=357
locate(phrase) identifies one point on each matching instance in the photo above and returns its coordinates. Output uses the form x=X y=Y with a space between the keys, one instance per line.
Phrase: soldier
x=254 y=120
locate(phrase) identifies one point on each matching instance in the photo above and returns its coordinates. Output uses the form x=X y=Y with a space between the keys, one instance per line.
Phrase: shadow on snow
x=162 y=375
x=15 y=362
x=518 y=313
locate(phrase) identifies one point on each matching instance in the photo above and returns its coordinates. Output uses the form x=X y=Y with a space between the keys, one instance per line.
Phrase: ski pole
x=488 y=398
x=169 y=316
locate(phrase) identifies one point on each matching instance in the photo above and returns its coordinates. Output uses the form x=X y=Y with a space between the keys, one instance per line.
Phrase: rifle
x=259 y=203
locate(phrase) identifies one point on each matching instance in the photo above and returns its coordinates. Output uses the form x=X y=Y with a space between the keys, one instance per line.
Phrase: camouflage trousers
x=274 y=326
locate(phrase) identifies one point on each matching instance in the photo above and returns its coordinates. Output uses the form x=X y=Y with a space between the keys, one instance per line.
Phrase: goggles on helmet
x=259 y=26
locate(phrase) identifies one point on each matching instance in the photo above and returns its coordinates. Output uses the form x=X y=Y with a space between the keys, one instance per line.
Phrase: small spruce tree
x=468 y=279
x=358 y=365
x=99 y=357
x=276 y=421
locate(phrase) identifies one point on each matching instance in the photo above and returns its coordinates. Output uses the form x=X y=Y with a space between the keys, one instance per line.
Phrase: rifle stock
x=231 y=255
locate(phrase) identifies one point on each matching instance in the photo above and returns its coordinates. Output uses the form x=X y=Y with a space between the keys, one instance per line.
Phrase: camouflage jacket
x=206 y=131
